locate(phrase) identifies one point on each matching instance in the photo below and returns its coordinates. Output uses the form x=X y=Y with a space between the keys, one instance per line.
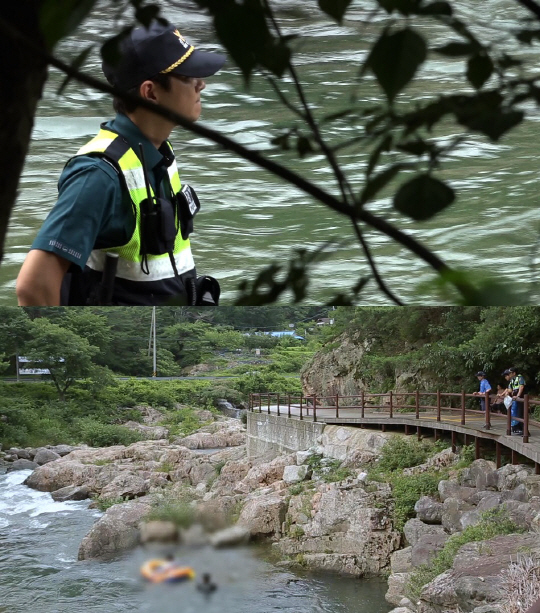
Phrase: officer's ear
x=147 y=90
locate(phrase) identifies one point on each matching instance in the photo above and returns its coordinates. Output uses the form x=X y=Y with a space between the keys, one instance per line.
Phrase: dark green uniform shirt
x=93 y=210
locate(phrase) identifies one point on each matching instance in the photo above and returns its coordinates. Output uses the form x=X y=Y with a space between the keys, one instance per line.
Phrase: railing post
x=391 y=405
x=278 y=406
x=362 y=402
x=526 y=419
x=301 y=398
x=417 y=401
x=260 y=403
x=250 y=401
x=488 y=412
x=269 y=404
x=337 y=406
x=289 y=406
x=314 y=407
x=438 y=405
x=463 y=407
x=509 y=421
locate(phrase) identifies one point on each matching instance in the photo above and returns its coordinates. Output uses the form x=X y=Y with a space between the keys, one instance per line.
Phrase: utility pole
x=152 y=342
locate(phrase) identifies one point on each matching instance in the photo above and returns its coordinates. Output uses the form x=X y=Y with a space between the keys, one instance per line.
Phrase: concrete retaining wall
x=270 y=435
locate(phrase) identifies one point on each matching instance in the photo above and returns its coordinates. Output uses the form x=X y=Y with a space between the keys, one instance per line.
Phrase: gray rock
x=22 y=465
x=302 y=457
x=400 y=560
x=264 y=515
x=426 y=548
x=22 y=454
x=510 y=476
x=489 y=502
x=428 y=510
x=470 y=518
x=295 y=474
x=63 y=450
x=451 y=489
x=230 y=537
x=44 y=456
x=117 y=530
x=397 y=584
x=483 y=474
x=401 y=610
x=159 y=531
x=71 y=492
x=414 y=529
x=452 y=512
x=125 y=485
x=532 y=485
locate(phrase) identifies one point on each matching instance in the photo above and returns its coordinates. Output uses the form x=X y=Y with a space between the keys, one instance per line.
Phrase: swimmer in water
x=207 y=587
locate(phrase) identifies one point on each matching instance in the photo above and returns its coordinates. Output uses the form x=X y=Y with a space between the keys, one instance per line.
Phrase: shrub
x=177 y=511
x=97 y=434
x=408 y=489
x=400 y=452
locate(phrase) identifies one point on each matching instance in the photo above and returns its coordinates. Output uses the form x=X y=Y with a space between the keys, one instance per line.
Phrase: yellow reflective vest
x=114 y=147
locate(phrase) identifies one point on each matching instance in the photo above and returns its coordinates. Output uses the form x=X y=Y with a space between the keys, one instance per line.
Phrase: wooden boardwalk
x=488 y=431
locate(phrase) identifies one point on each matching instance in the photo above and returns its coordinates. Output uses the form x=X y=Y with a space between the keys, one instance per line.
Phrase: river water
x=39 y=571
x=250 y=218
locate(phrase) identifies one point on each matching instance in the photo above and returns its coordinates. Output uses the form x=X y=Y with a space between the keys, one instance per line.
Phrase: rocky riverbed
x=316 y=506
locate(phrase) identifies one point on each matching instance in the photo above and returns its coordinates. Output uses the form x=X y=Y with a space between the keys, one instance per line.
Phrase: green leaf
x=335 y=8
x=479 y=69
x=457 y=49
x=416 y=147
x=304 y=146
x=59 y=18
x=423 y=197
x=494 y=124
x=375 y=185
x=395 y=58
x=75 y=64
x=527 y=36
x=147 y=14
x=405 y=7
x=436 y=8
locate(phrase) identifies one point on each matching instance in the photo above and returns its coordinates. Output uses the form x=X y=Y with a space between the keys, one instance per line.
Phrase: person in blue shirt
x=119 y=231
x=484 y=387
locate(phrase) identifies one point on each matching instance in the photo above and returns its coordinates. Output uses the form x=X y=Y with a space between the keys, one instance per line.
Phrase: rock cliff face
x=337 y=370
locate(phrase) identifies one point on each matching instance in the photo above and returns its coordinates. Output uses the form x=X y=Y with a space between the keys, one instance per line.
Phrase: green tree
x=66 y=355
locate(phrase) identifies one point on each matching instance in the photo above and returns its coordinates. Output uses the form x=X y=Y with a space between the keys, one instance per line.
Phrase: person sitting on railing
x=484 y=387
x=497 y=404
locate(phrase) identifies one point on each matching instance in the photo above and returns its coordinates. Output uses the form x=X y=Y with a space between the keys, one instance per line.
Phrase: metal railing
x=389 y=404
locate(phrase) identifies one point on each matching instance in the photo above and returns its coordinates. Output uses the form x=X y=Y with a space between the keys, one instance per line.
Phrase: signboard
x=33 y=371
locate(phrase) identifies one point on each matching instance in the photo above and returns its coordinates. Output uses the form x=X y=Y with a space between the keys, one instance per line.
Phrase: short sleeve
x=89 y=198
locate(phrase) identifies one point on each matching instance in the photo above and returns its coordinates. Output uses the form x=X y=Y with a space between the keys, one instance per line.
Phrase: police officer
x=119 y=232
x=517 y=387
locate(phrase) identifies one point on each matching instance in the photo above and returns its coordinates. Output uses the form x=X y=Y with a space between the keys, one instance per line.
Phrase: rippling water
x=250 y=218
x=39 y=540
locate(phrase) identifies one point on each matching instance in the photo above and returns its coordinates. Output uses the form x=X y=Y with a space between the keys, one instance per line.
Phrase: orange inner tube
x=160 y=571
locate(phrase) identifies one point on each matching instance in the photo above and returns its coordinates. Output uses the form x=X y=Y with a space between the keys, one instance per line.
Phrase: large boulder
x=512 y=475
x=295 y=474
x=425 y=549
x=126 y=485
x=117 y=530
x=451 y=489
x=428 y=510
x=453 y=509
x=44 y=456
x=264 y=515
x=230 y=537
x=71 y=492
x=264 y=474
x=158 y=531
x=23 y=465
x=414 y=529
x=61 y=473
x=340 y=442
